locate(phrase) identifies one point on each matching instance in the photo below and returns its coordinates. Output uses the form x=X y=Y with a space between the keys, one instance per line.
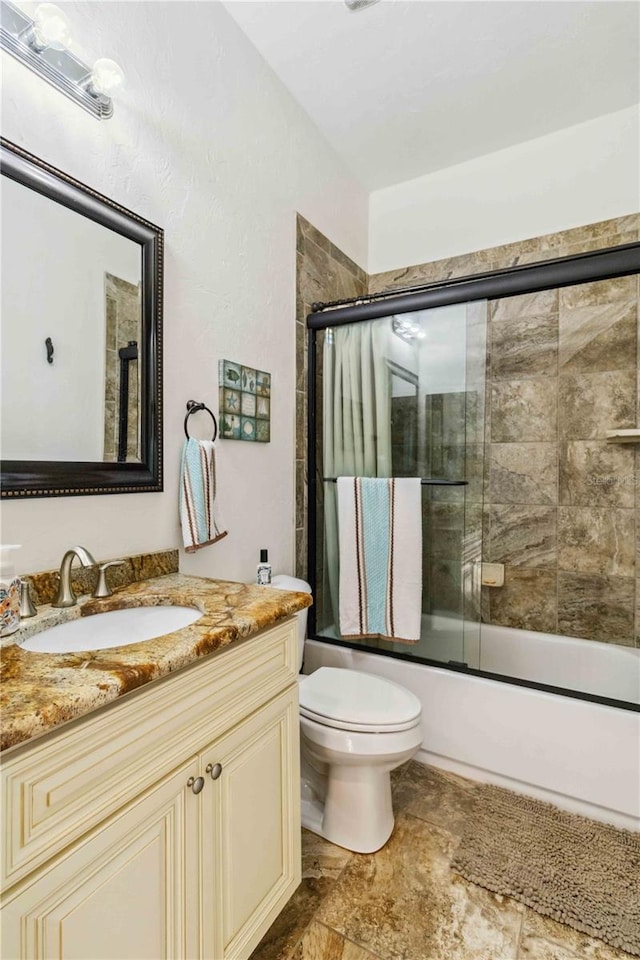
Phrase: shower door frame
x=604 y=264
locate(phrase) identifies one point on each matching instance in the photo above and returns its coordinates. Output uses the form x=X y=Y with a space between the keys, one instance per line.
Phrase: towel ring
x=192 y=407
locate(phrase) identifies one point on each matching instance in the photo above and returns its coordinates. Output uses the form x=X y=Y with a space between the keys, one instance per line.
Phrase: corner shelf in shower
x=425 y=481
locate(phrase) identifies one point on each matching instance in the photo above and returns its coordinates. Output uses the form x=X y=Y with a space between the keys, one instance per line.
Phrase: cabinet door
x=128 y=891
x=251 y=827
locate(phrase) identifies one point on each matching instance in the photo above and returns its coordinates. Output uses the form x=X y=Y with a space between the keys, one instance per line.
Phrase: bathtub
x=579 y=755
x=604 y=669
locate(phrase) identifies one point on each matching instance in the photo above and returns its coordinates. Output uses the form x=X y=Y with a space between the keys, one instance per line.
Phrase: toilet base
x=357 y=813
x=312 y=815
x=346 y=782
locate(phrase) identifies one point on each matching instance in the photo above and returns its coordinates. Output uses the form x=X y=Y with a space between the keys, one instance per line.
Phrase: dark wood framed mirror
x=81 y=385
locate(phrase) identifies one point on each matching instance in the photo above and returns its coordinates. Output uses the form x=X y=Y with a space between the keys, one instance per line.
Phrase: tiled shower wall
x=562 y=506
x=561 y=500
x=323 y=273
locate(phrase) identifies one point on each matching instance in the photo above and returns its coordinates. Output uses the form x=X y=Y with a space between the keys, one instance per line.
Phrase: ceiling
x=407 y=87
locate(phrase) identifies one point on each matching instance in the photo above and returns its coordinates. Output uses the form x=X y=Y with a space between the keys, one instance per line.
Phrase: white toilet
x=355 y=729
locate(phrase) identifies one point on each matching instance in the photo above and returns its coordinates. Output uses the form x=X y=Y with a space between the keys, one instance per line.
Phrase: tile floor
x=405 y=903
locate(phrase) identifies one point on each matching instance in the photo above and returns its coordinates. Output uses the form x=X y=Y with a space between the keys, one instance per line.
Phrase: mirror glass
x=81 y=328
x=71 y=324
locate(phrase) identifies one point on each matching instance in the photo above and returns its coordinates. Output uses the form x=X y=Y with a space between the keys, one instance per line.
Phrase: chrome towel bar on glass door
x=425 y=481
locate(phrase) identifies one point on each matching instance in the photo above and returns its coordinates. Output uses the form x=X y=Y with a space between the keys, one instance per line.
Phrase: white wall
x=206 y=143
x=579 y=175
x=53 y=285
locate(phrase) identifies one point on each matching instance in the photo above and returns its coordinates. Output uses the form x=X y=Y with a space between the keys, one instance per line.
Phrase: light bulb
x=106 y=77
x=51 y=27
x=355 y=5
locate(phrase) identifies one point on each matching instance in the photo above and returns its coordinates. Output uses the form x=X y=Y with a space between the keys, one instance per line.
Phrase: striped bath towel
x=199 y=518
x=380 y=544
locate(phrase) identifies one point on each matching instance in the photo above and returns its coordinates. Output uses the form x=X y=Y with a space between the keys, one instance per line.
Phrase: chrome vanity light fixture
x=42 y=44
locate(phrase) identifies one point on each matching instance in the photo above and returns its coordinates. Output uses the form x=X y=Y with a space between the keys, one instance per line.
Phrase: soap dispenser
x=263 y=577
x=9 y=591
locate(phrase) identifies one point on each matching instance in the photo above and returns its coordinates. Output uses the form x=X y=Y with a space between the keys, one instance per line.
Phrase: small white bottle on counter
x=263 y=577
x=9 y=591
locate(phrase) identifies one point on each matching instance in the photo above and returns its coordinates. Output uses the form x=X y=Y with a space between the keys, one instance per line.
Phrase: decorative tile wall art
x=245 y=402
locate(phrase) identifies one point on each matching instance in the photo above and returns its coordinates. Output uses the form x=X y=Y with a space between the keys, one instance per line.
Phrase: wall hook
x=48 y=344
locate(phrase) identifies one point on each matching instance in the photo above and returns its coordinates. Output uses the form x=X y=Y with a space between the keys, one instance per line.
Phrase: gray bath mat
x=580 y=872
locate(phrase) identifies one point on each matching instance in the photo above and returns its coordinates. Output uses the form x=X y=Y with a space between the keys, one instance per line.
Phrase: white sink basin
x=114 y=628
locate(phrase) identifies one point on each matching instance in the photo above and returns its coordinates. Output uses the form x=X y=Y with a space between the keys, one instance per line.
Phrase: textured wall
x=206 y=142
x=561 y=505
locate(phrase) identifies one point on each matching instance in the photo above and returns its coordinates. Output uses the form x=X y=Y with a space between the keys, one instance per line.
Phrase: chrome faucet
x=66 y=597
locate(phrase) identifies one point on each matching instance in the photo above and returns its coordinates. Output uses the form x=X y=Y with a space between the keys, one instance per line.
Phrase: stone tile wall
x=595 y=236
x=324 y=273
x=561 y=505
x=123 y=323
x=404 y=436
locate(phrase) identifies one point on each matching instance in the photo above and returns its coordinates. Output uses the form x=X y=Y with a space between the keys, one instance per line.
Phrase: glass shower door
x=403 y=396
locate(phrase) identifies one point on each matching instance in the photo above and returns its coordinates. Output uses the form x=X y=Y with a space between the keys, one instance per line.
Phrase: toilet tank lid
x=283 y=582
x=356 y=697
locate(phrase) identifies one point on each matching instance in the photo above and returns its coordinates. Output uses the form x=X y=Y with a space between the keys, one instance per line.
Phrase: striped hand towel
x=380 y=544
x=199 y=518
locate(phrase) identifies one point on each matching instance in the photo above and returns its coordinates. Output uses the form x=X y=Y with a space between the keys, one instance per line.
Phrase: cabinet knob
x=215 y=769
x=196 y=783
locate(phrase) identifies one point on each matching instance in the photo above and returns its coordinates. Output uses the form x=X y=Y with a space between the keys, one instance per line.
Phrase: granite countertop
x=39 y=691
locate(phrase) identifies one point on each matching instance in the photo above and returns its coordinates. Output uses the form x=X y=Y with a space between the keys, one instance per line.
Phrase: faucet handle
x=102 y=587
x=27 y=606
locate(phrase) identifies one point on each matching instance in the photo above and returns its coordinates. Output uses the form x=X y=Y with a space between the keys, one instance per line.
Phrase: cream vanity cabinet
x=166 y=825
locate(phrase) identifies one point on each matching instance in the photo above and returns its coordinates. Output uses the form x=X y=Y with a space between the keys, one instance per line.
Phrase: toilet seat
x=356 y=701
x=358 y=727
